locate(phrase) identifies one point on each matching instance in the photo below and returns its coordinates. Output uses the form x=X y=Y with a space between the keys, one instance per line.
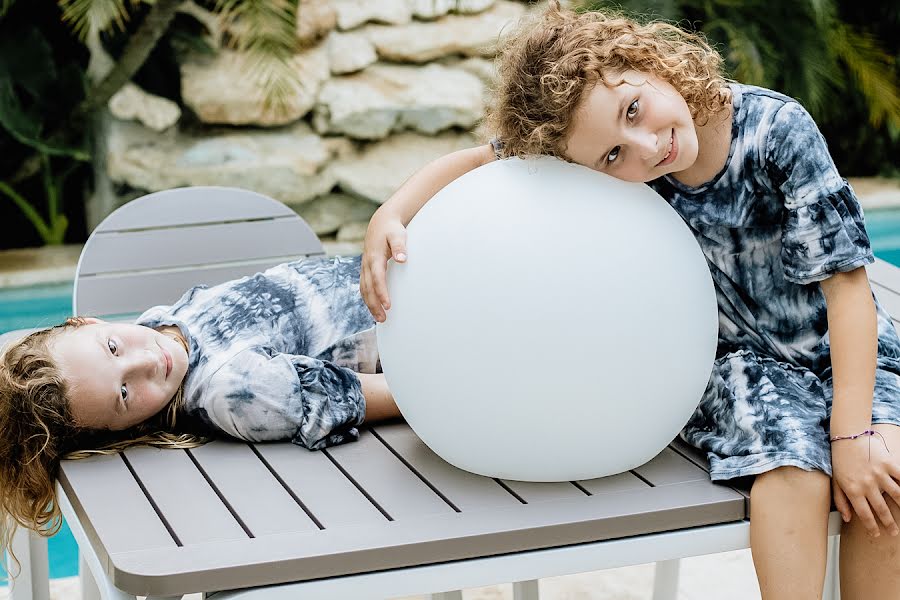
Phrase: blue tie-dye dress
x=776 y=220
x=274 y=356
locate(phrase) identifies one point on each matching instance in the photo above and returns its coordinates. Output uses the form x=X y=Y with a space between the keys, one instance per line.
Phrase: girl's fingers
x=842 y=504
x=876 y=501
x=889 y=486
x=861 y=507
x=368 y=293
x=397 y=242
x=379 y=285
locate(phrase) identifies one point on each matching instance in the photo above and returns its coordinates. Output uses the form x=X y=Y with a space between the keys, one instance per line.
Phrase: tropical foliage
x=838 y=57
x=47 y=101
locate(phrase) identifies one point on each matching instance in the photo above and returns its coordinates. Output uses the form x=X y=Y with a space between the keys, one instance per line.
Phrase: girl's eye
x=124 y=393
x=113 y=347
x=632 y=110
x=613 y=155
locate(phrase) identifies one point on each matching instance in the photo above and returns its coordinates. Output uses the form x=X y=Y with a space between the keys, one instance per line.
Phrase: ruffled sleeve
x=823 y=229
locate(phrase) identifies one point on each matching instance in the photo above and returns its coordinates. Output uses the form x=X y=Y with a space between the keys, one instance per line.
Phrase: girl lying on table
x=288 y=354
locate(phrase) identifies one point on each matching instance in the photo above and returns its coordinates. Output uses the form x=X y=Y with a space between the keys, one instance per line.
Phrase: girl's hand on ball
x=385 y=238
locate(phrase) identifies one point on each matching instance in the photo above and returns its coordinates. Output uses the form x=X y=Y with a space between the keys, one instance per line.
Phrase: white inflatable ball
x=551 y=323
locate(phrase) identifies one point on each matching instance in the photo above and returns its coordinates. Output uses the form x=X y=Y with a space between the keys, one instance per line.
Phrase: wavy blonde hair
x=37 y=430
x=547 y=65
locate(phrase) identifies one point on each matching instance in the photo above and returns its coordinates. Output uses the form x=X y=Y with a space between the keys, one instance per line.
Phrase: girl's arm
x=860 y=465
x=386 y=234
x=853 y=330
x=379 y=400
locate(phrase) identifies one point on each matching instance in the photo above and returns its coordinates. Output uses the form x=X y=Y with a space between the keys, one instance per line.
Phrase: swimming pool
x=46 y=305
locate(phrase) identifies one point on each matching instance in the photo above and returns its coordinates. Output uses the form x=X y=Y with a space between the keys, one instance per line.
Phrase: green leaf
x=27 y=59
x=25 y=126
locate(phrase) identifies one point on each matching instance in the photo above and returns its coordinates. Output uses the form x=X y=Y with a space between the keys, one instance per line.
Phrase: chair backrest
x=153 y=249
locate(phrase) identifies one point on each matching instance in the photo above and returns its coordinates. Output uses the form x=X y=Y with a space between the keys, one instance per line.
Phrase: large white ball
x=552 y=323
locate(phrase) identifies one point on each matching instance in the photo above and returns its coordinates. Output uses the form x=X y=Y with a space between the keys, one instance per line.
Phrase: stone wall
x=387 y=85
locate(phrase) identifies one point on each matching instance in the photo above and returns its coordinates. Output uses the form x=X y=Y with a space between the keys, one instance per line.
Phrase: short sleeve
x=497 y=145
x=261 y=395
x=823 y=226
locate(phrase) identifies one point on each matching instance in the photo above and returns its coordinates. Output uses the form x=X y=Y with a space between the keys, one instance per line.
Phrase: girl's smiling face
x=638 y=130
x=118 y=374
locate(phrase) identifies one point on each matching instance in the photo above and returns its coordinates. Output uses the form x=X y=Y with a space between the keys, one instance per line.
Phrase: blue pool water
x=48 y=305
x=36 y=306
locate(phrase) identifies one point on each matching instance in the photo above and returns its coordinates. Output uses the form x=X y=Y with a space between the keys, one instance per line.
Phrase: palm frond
x=871 y=68
x=85 y=16
x=265 y=32
x=823 y=11
x=743 y=53
x=642 y=10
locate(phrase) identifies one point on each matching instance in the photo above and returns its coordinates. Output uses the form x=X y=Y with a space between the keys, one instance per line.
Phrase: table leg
x=665 y=581
x=526 y=590
x=89 y=589
x=33 y=568
x=87 y=556
x=832 y=590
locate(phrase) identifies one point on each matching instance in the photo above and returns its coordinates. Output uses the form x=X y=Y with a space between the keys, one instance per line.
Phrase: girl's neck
x=713 y=146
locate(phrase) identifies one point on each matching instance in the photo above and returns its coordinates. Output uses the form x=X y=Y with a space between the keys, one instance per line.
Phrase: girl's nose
x=646 y=143
x=143 y=363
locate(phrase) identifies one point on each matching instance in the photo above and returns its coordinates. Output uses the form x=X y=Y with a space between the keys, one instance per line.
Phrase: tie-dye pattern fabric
x=274 y=356
x=773 y=223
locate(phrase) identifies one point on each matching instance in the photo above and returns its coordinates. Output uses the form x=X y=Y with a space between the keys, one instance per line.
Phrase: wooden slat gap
x=510 y=490
x=644 y=479
x=690 y=458
x=356 y=484
x=193 y=225
x=219 y=493
x=584 y=490
x=287 y=488
x=416 y=472
x=271 y=260
x=152 y=502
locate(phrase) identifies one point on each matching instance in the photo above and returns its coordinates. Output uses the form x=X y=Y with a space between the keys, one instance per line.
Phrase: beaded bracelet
x=853 y=437
x=868 y=432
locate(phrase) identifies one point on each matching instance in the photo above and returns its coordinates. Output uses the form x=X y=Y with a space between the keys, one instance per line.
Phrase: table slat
x=183 y=496
x=386 y=479
x=669 y=467
x=465 y=490
x=251 y=489
x=331 y=498
x=100 y=486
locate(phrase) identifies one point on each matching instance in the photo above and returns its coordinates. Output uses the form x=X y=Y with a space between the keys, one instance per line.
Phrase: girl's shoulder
x=755 y=93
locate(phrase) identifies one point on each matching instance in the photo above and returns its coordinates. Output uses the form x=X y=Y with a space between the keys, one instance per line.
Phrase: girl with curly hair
x=807 y=370
x=287 y=354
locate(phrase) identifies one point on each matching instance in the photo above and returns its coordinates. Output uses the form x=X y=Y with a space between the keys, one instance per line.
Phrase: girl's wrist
x=852 y=436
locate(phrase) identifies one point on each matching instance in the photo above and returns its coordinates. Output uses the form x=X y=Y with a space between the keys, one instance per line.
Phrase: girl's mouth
x=168 y=361
x=672 y=154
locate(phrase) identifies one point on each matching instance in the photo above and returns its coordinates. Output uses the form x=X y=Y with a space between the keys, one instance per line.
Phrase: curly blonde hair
x=545 y=68
x=37 y=430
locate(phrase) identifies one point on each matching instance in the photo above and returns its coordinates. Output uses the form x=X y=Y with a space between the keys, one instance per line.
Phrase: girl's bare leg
x=870 y=567
x=789 y=531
